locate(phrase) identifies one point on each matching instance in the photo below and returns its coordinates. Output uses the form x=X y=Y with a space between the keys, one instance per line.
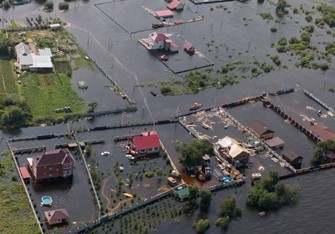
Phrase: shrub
x=49 y=6
x=63 y=6
x=273 y=29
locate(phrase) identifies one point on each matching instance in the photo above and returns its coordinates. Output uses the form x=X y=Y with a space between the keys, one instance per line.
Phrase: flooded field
x=230 y=31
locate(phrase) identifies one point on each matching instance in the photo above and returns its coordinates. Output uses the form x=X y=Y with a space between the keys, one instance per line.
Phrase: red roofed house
x=146 y=143
x=157 y=40
x=189 y=48
x=160 y=41
x=52 y=164
x=164 y=14
x=54 y=217
x=176 y=5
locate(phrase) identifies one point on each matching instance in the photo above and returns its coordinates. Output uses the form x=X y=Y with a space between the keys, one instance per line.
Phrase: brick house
x=51 y=164
x=145 y=144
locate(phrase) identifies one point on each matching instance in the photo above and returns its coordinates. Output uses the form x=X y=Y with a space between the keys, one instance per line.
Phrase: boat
x=262 y=213
x=164 y=57
x=157 y=25
x=196 y=106
x=282 y=91
x=153 y=93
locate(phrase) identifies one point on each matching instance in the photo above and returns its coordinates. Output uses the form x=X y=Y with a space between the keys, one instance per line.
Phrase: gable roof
x=59 y=156
x=41 y=61
x=45 y=52
x=158 y=36
x=226 y=142
x=188 y=45
x=22 y=49
x=324 y=132
x=146 y=140
x=164 y=13
x=274 y=142
x=56 y=215
x=291 y=155
x=174 y=4
x=26 y=60
x=236 y=150
x=259 y=127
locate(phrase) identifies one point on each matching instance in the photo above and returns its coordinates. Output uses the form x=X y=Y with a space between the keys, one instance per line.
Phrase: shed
x=261 y=130
x=72 y=145
x=189 y=48
x=25 y=175
x=181 y=191
x=275 y=143
x=293 y=158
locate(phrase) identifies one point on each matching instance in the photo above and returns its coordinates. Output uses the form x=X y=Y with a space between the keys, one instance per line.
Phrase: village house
x=293 y=158
x=51 y=164
x=157 y=41
x=176 y=5
x=54 y=217
x=233 y=152
x=275 y=143
x=261 y=130
x=28 y=61
x=147 y=143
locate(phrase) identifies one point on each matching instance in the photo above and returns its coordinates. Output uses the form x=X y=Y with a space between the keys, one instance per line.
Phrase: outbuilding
x=293 y=158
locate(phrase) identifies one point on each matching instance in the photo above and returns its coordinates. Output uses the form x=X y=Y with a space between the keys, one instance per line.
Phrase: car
x=105 y=153
x=129 y=156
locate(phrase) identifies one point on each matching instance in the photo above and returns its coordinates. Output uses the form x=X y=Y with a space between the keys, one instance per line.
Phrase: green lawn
x=16 y=215
x=46 y=92
x=7 y=81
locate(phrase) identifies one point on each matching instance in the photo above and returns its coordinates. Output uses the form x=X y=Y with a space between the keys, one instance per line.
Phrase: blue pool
x=46 y=201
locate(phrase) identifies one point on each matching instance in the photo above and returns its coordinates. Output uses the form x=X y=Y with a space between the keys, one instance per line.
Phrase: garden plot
x=121 y=181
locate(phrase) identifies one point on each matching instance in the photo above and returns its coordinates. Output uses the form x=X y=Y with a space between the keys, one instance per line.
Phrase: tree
x=229 y=208
x=15 y=117
x=280 y=7
x=201 y=226
x=206 y=197
x=49 y=6
x=88 y=149
x=191 y=153
x=63 y=6
x=321 y=149
x=222 y=222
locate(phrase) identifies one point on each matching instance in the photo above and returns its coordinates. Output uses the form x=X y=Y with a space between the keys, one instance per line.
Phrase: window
x=142 y=150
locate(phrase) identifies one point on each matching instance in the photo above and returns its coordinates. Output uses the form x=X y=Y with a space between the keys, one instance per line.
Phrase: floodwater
x=130 y=64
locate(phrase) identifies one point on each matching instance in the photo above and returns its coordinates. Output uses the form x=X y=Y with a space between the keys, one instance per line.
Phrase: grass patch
x=16 y=215
x=8 y=87
x=46 y=92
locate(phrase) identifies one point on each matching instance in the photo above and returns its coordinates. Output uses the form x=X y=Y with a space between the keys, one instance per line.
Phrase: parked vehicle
x=105 y=153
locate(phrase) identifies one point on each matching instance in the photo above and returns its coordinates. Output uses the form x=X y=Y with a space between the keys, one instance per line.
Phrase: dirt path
x=104 y=194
